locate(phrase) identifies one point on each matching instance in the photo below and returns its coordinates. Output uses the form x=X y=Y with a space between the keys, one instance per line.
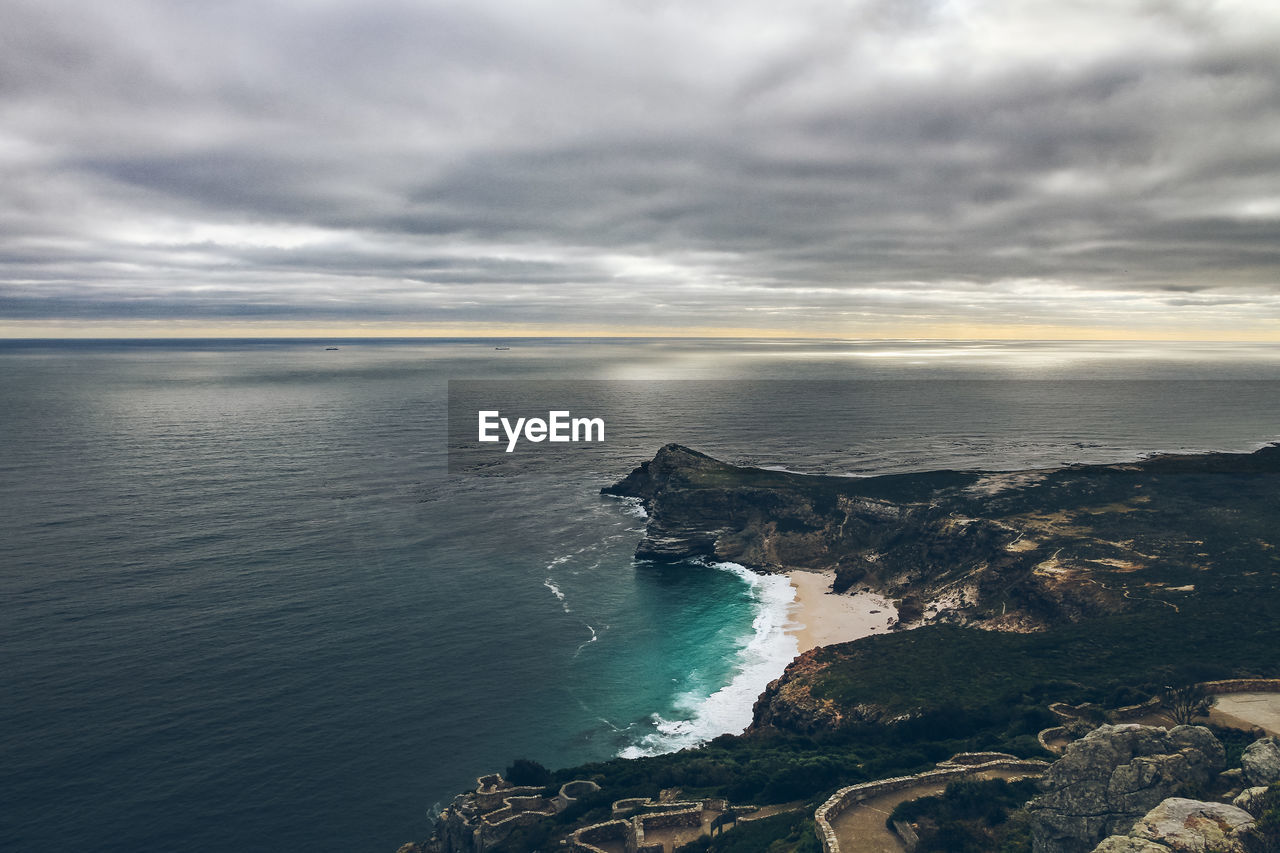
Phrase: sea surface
x=246 y=606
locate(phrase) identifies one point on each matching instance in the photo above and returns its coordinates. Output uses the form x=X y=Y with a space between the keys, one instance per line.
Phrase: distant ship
x=328 y=349
x=502 y=348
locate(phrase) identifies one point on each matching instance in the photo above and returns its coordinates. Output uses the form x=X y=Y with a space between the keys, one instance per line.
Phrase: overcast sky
x=922 y=169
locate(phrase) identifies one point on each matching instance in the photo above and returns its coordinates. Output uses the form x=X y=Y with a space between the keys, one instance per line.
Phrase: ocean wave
x=594 y=636
x=760 y=659
x=558 y=593
x=632 y=506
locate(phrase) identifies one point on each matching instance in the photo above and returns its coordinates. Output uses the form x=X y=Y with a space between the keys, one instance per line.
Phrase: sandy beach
x=819 y=618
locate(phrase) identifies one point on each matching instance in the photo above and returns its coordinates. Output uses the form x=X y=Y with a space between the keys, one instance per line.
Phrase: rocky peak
x=673 y=464
x=1114 y=775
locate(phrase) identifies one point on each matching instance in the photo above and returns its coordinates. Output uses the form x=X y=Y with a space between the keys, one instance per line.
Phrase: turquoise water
x=246 y=607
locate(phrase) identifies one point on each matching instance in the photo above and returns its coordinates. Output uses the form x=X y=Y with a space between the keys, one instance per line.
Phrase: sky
x=1006 y=169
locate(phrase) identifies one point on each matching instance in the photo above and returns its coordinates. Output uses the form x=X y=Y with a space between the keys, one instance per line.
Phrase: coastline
x=791 y=619
x=819 y=618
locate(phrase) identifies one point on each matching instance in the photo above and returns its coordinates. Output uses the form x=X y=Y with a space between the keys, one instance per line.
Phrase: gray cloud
x=823 y=166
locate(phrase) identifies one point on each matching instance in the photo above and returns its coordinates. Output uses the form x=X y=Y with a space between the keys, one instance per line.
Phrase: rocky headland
x=1024 y=552
x=1037 y=602
x=1004 y=550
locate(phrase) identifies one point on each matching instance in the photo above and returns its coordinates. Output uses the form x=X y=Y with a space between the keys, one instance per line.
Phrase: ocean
x=247 y=606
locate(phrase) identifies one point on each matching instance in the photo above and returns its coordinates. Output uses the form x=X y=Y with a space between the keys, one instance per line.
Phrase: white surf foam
x=555 y=590
x=761 y=659
x=594 y=636
x=632 y=506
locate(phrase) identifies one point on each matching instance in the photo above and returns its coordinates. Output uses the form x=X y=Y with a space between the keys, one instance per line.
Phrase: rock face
x=702 y=507
x=1261 y=761
x=906 y=536
x=1009 y=551
x=788 y=702
x=1114 y=775
x=1185 y=826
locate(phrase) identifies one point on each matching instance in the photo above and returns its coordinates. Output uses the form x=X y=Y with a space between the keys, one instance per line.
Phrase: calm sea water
x=246 y=606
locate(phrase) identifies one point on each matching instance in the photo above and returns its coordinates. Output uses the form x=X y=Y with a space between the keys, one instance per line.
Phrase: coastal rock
x=1112 y=776
x=1185 y=826
x=788 y=702
x=1261 y=761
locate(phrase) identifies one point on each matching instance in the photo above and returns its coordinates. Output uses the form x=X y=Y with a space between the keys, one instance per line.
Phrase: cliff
x=1018 y=550
x=1082 y=557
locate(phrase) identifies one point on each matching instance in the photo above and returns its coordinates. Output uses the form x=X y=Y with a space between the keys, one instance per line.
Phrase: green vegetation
x=1086 y=661
x=776 y=767
x=1267 y=830
x=522 y=771
x=792 y=832
x=1234 y=740
x=971 y=816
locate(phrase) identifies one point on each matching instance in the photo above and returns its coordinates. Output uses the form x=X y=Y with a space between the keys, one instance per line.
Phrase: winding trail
x=862 y=829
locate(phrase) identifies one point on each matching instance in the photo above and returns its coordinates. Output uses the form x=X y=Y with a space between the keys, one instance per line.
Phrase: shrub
x=526 y=772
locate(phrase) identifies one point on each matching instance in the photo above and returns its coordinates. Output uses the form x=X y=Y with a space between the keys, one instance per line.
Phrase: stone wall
x=841 y=800
x=1085 y=711
x=622 y=808
x=968 y=759
x=476 y=821
x=1136 y=712
x=572 y=791
x=659 y=820
x=492 y=792
x=685 y=817
x=585 y=839
x=629 y=806
x=1243 y=685
x=1213 y=688
x=632 y=832
x=1049 y=734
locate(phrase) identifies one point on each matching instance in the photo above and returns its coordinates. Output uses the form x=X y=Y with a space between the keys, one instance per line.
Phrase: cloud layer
x=812 y=167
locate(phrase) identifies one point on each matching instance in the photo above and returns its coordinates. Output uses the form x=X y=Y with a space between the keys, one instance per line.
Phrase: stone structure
x=1242 y=685
x=968 y=759
x=1114 y=775
x=649 y=826
x=954 y=768
x=1054 y=739
x=474 y=822
x=1136 y=712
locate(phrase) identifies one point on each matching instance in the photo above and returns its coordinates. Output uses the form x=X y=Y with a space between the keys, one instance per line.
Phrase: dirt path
x=861 y=829
x=1246 y=710
x=1233 y=710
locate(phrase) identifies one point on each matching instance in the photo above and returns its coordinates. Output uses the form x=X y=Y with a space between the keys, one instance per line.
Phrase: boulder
x=1250 y=799
x=1114 y=775
x=1192 y=826
x=1261 y=761
x=1178 y=825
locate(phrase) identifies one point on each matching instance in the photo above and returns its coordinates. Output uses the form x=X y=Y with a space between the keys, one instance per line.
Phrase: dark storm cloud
x=727 y=164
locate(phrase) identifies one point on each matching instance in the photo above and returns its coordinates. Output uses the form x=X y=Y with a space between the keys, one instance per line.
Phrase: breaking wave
x=699 y=717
